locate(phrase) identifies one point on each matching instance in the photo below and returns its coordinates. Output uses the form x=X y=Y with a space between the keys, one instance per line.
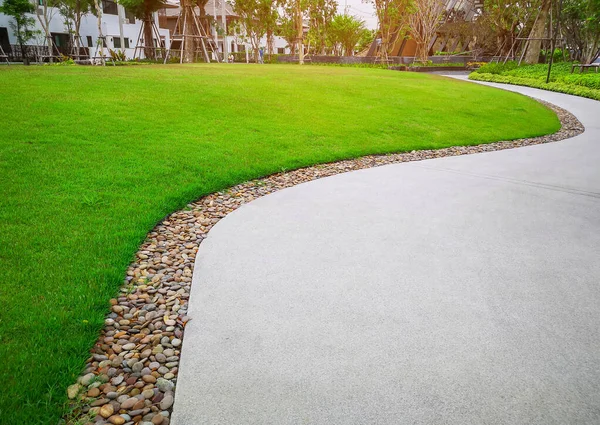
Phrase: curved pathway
x=459 y=290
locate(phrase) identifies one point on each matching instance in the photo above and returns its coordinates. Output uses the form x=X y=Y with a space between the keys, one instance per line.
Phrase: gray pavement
x=461 y=290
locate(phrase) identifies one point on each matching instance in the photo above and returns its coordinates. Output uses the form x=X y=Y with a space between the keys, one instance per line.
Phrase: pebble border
x=131 y=374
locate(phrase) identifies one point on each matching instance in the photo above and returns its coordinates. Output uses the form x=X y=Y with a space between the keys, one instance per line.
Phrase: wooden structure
x=181 y=38
x=142 y=45
x=583 y=66
x=78 y=52
x=442 y=41
x=3 y=55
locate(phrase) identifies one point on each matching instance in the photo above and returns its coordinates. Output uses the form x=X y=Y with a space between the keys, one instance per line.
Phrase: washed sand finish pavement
x=460 y=290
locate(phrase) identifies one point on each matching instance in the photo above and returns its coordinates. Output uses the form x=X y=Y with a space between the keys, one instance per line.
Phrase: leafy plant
x=21 y=25
x=117 y=55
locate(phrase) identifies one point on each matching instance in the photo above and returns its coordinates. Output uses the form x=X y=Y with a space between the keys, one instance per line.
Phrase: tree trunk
x=45 y=24
x=149 y=50
x=189 y=43
x=100 y=40
x=77 y=28
x=422 y=52
x=537 y=32
x=300 y=33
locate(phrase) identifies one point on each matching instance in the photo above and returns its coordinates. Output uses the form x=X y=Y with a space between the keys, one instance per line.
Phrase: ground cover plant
x=91 y=158
x=586 y=84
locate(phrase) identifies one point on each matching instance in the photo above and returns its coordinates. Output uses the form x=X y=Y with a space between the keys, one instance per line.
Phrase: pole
x=121 y=15
x=553 y=41
x=300 y=29
x=224 y=20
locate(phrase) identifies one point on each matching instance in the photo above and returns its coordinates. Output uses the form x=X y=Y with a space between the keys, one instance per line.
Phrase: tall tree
x=345 y=32
x=44 y=13
x=581 y=24
x=392 y=18
x=424 y=22
x=144 y=10
x=537 y=33
x=294 y=12
x=320 y=15
x=72 y=11
x=286 y=29
x=21 y=25
x=504 y=18
x=259 y=18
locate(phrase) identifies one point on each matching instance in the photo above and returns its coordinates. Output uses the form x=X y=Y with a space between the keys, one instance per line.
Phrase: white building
x=122 y=30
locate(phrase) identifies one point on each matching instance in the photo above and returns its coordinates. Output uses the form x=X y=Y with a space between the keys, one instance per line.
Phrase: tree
x=287 y=30
x=581 y=24
x=144 y=9
x=72 y=11
x=346 y=31
x=366 y=39
x=537 y=32
x=320 y=15
x=424 y=22
x=259 y=18
x=504 y=18
x=292 y=24
x=392 y=16
x=44 y=14
x=18 y=9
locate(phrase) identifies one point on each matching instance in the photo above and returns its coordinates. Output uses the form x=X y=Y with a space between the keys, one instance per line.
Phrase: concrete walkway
x=461 y=290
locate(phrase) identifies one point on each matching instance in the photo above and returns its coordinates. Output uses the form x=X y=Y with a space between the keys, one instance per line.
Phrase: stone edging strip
x=131 y=374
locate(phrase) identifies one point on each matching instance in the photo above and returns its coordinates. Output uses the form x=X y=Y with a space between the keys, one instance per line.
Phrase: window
x=241 y=47
x=109 y=7
x=4 y=41
x=116 y=42
x=126 y=42
x=281 y=50
x=90 y=43
x=130 y=16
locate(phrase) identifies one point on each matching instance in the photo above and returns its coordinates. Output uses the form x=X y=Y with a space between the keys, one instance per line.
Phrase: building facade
x=122 y=32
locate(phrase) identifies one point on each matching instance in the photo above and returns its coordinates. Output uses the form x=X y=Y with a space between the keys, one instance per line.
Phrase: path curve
x=459 y=290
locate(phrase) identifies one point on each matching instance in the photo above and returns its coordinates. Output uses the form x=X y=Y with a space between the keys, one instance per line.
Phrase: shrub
x=496 y=67
x=560 y=87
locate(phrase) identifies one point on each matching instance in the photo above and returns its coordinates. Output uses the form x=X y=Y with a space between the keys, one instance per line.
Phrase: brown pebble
x=149 y=379
x=94 y=392
x=116 y=420
x=107 y=410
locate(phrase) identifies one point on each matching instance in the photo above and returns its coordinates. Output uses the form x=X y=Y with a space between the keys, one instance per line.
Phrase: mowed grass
x=92 y=158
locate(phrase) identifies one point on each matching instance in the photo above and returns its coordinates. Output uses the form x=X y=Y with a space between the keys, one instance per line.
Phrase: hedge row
x=560 y=87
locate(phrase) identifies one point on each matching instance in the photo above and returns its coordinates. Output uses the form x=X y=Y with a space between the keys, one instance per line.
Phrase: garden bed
x=585 y=84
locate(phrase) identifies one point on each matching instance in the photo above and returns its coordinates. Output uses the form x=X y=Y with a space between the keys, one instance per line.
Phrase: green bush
x=496 y=67
x=585 y=84
x=560 y=87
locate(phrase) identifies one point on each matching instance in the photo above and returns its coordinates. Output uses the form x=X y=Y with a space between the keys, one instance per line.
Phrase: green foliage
x=141 y=8
x=257 y=17
x=581 y=20
x=561 y=80
x=320 y=15
x=496 y=67
x=552 y=86
x=89 y=163
x=21 y=24
x=345 y=32
x=366 y=39
x=117 y=55
x=392 y=16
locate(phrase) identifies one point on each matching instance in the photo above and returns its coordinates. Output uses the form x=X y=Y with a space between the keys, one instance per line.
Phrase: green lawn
x=585 y=84
x=92 y=158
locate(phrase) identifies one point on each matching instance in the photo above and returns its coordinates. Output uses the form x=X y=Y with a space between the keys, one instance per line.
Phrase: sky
x=361 y=10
